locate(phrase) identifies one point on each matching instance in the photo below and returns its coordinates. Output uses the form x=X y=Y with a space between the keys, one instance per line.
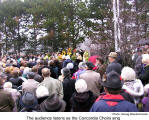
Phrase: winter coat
x=82 y=102
x=6 y=101
x=93 y=80
x=145 y=77
x=113 y=103
x=134 y=88
x=54 y=86
x=69 y=89
x=114 y=66
x=30 y=86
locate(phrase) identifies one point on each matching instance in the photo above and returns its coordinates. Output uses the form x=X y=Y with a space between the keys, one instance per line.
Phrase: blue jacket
x=113 y=103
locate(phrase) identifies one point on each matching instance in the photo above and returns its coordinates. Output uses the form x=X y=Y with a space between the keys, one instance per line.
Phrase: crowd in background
x=74 y=83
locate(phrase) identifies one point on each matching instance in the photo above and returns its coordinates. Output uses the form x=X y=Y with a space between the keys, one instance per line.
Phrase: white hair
x=81 y=86
x=82 y=65
x=70 y=66
x=7 y=85
x=128 y=74
x=145 y=58
x=42 y=91
x=26 y=70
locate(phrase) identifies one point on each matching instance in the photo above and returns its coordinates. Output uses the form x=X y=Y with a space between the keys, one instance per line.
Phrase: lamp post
x=116 y=18
x=1 y=48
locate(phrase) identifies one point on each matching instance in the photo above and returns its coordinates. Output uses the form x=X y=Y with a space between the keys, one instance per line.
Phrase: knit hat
x=42 y=91
x=113 y=55
x=112 y=80
x=53 y=104
x=81 y=86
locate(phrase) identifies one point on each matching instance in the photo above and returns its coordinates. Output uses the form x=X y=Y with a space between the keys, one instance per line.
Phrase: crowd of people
x=43 y=83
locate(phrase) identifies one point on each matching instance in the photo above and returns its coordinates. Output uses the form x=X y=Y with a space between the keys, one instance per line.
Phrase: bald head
x=46 y=72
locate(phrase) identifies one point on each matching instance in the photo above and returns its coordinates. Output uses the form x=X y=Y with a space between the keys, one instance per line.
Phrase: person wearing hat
x=112 y=101
x=82 y=100
x=53 y=104
x=114 y=65
x=92 y=79
x=28 y=103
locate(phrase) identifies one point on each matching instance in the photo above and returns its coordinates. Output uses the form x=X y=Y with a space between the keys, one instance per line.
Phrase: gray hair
x=82 y=65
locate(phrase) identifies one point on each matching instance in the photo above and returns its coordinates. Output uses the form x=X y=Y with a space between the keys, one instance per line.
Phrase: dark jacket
x=113 y=103
x=40 y=100
x=69 y=89
x=82 y=102
x=16 y=81
x=145 y=77
x=66 y=62
x=6 y=101
x=114 y=66
x=138 y=65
